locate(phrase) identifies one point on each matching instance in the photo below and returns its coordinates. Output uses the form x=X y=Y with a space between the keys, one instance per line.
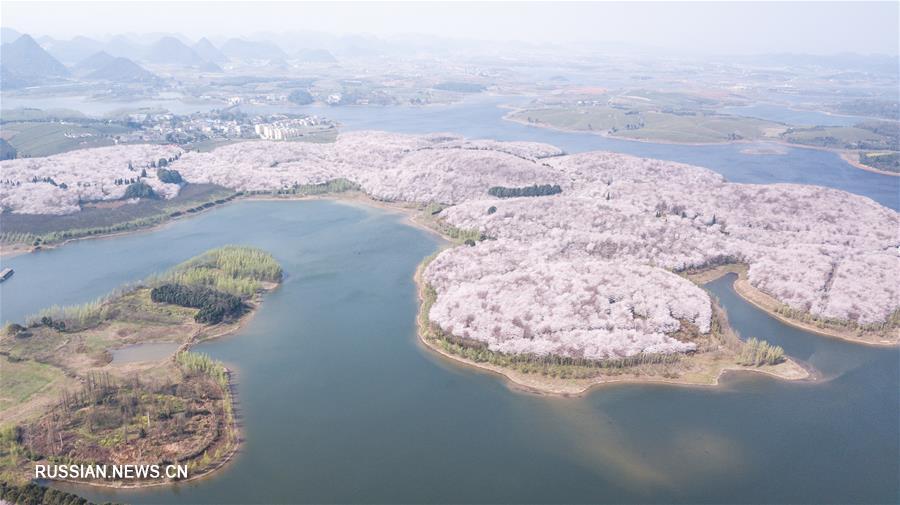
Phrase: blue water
x=482 y=117
x=340 y=404
x=789 y=116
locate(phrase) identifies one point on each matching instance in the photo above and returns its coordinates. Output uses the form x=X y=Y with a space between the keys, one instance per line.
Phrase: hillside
x=252 y=50
x=171 y=51
x=74 y=50
x=94 y=62
x=25 y=59
x=315 y=56
x=209 y=52
x=122 y=70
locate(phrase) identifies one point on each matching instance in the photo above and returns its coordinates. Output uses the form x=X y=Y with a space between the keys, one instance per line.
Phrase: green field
x=701 y=128
x=841 y=137
x=44 y=139
x=22 y=379
x=190 y=196
x=652 y=125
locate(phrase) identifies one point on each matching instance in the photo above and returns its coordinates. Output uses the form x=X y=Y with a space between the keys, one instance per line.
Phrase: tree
x=300 y=97
x=542 y=190
x=140 y=189
x=169 y=176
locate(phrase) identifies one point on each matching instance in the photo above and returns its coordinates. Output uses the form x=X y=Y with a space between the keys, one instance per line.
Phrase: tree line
x=756 y=352
x=535 y=190
x=215 y=306
x=34 y=494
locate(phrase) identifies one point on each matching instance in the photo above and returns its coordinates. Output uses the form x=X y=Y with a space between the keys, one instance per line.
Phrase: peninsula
x=67 y=400
x=579 y=259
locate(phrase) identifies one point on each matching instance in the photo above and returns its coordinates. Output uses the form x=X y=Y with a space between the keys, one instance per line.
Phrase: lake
x=794 y=117
x=481 y=116
x=340 y=403
x=754 y=163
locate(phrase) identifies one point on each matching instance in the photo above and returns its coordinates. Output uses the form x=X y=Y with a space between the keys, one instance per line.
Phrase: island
x=585 y=266
x=869 y=144
x=68 y=400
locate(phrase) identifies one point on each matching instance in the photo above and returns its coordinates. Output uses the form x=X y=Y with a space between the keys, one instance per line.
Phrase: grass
x=598 y=119
x=843 y=137
x=651 y=125
x=699 y=128
x=886 y=160
x=235 y=270
x=40 y=230
x=47 y=138
x=20 y=380
x=104 y=219
x=59 y=378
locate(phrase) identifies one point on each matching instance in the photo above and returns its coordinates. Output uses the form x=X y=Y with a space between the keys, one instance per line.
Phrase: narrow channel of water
x=341 y=404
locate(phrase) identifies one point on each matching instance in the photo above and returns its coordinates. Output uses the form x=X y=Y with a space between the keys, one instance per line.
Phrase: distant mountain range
x=171 y=51
x=24 y=63
x=252 y=50
x=8 y=35
x=93 y=62
x=72 y=51
x=103 y=67
x=209 y=52
x=315 y=56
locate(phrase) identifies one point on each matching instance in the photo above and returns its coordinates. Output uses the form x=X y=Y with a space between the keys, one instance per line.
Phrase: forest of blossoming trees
x=583 y=273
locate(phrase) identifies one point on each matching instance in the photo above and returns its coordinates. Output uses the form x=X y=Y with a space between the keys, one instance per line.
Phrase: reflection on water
x=340 y=404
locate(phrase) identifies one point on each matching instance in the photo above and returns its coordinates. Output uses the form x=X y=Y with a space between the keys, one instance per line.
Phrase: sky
x=700 y=27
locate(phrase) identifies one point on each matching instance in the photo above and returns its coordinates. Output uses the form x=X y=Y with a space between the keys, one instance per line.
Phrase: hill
x=72 y=51
x=8 y=35
x=25 y=59
x=93 y=62
x=8 y=80
x=121 y=45
x=210 y=67
x=315 y=56
x=171 y=51
x=209 y=52
x=7 y=151
x=252 y=50
x=123 y=70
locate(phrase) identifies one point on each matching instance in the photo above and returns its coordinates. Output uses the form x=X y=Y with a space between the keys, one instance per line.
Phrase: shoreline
x=239 y=440
x=542 y=385
x=345 y=197
x=758 y=299
x=232 y=425
x=410 y=215
x=847 y=156
x=844 y=154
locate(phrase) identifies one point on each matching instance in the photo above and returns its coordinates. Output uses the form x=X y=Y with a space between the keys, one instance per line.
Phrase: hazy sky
x=733 y=27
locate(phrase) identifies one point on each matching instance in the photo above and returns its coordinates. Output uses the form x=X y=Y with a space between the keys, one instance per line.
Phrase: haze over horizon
x=697 y=27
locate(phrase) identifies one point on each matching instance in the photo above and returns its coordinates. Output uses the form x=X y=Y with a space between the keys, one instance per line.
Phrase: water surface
x=754 y=163
x=794 y=117
x=481 y=116
x=340 y=404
